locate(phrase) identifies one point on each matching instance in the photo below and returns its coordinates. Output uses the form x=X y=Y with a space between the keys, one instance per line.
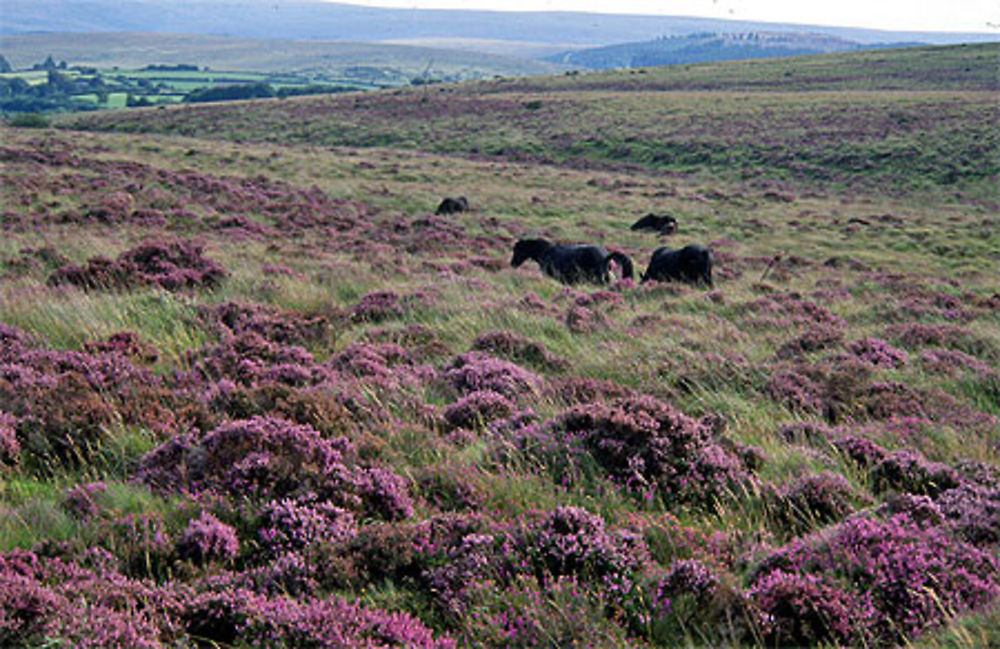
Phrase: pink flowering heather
x=518 y=349
x=878 y=352
x=477 y=409
x=172 y=265
x=572 y=541
x=816 y=337
x=477 y=371
x=813 y=501
x=125 y=343
x=271 y=458
x=650 y=446
x=378 y=306
x=80 y=501
x=807 y=610
x=574 y=390
x=208 y=539
x=291 y=525
x=862 y=451
x=784 y=309
x=586 y=320
x=899 y=578
x=46 y=601
x=953 y=363
x=909 y=472
x=10 y=448
x=273 y=324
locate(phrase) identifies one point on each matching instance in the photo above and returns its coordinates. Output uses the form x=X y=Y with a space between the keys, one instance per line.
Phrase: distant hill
x=897 y=117
x=710 y=47
x=134 y=50
x=312 y=19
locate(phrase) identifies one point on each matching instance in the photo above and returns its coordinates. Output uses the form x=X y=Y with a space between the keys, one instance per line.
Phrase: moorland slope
x=255 y=393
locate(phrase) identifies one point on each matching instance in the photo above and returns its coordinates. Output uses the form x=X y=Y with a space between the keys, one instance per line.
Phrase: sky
x=893 y=15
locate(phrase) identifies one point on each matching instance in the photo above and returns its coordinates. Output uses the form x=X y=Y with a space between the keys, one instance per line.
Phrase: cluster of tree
x=17 y=95
x=177 y=67
x=258 y=90
x=50 y=64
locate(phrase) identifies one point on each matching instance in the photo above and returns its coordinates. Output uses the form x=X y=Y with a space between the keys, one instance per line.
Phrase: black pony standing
x=691 y=264
x=571 y=264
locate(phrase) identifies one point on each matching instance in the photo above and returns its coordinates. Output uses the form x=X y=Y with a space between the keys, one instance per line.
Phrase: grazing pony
x=664 y=224
x=571 y=264
x=692 y=264
x=452 y=206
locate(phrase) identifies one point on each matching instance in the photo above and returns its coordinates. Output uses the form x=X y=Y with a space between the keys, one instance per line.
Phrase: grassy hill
x=710 y=47
x=255 y=393
x=920 y=117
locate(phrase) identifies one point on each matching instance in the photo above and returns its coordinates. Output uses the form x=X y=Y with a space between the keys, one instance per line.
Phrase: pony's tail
x=623 y=261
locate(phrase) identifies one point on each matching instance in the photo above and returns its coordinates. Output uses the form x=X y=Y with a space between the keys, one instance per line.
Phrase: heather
x=256 y=393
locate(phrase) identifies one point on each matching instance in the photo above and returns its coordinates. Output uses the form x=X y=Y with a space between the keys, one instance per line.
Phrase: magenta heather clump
x=878 y=352
x=862 y=451
x=478 y=409
x=80 y=501
x=911 y=577
x=519 y=350
x=289 y=525
x=812 y=501
x=806 y=610
x=268 y=458
x=172 y=265
x=909 y=471
x=973 y=511
x=651 y=447
x=273 y=324
x=953 y=363
x=208 y=539
x=10 y=448
x=476 y=371
x=570 y=541
x=378 y=306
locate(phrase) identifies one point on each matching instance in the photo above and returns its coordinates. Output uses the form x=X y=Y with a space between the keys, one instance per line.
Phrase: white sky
x=893 y=15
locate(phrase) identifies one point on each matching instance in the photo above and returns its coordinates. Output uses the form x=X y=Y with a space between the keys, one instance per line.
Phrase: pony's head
x=526 y=249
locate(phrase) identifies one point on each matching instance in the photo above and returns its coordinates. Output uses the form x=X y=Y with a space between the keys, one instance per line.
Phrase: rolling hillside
x=255 y=392
x=709 y=47
x=902 y=117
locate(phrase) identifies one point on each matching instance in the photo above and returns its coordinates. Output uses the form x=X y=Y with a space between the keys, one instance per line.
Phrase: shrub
x=28 y=120
x=878 y=352
x=895 y=578
x=519 y=350
x=650 y=446
x=10 y=448
x=807 y=610
x=208 y=539
x=477 y=409
x=812 y=501
x=171 y=265
x=909 y=472
x=266 y=458
x=477 y=371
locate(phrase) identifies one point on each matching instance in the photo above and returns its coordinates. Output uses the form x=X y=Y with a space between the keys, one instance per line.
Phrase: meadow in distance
x=255 y=393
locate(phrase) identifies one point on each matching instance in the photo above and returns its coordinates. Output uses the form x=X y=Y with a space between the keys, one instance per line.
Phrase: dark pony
x=692 y=264
x=571 y=264
x=452 y=206
x=664 y=224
